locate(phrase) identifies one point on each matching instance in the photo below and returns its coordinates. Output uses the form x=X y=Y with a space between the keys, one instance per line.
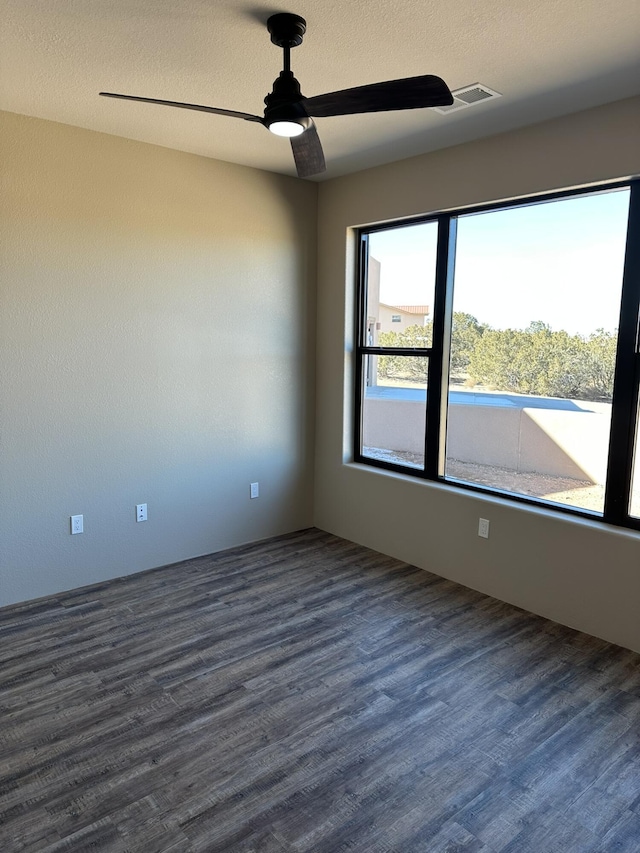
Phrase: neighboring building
x=388 y=318
x=373 y=302
x=396 y=318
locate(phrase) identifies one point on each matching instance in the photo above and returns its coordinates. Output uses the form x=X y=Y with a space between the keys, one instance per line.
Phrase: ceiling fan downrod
x=284 y=114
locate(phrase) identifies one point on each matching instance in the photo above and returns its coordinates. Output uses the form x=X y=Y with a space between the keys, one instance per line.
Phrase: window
x=396 y=318
x=523 y=378
x=395 y=373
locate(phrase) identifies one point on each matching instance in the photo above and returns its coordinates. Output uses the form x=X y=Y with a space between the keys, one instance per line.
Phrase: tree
x=540 y=361
x=494 y=359
x=601 y=359
x=535 y=360
x=400 y=366
x=465 y=332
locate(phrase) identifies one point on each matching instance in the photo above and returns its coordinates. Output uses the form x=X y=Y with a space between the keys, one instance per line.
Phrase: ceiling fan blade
x=308 y=154
x=198 y=107
x=407 y=94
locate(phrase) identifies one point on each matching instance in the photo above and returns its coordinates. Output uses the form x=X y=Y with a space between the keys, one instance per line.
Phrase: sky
x=559 y=262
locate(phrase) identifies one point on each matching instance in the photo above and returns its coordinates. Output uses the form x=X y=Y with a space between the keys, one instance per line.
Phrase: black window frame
x=625 y=418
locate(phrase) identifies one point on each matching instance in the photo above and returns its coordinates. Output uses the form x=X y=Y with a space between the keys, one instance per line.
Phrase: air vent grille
x=468 y=96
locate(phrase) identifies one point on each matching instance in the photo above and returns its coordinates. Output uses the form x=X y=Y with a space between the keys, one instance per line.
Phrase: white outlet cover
x=483 y=528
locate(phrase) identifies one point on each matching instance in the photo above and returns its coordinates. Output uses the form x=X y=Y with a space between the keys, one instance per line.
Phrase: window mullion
x=625 y=389
x=425 y=351
x=438 y=383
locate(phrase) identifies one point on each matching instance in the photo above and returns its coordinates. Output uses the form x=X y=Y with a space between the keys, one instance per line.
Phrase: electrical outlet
x=483 y=528
x=255 y=490
x=77 y=524
x=141 y=512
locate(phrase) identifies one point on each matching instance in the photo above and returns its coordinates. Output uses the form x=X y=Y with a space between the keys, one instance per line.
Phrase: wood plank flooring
x=306 y=694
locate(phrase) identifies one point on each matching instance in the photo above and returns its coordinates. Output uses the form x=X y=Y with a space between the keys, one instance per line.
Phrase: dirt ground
x=561 y=490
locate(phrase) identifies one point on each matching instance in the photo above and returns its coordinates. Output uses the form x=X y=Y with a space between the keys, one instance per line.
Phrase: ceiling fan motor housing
x=284 y=103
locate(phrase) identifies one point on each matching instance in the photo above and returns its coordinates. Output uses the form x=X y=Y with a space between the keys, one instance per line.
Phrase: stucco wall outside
x=570 y=444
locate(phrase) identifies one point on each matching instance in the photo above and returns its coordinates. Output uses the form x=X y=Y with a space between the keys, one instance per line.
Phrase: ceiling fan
x=289 y=113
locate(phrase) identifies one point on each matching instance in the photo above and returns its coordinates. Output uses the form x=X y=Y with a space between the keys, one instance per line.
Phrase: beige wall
x=156 y=345
x=577 y=572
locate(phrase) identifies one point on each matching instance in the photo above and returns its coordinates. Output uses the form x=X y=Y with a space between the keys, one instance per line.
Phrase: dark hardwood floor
x=307 y=694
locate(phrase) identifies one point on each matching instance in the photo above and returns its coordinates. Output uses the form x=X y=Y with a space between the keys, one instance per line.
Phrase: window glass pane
x=536 y=310
x=400 y=286
x=394 y=409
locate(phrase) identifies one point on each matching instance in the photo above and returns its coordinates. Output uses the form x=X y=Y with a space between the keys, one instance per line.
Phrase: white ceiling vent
x=468 y=96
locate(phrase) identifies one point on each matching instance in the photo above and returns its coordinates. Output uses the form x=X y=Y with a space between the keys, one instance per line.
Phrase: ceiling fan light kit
x=288 y=113
x=287 y=128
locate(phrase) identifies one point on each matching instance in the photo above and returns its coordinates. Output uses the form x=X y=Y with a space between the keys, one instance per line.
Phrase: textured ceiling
x=547 y=58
